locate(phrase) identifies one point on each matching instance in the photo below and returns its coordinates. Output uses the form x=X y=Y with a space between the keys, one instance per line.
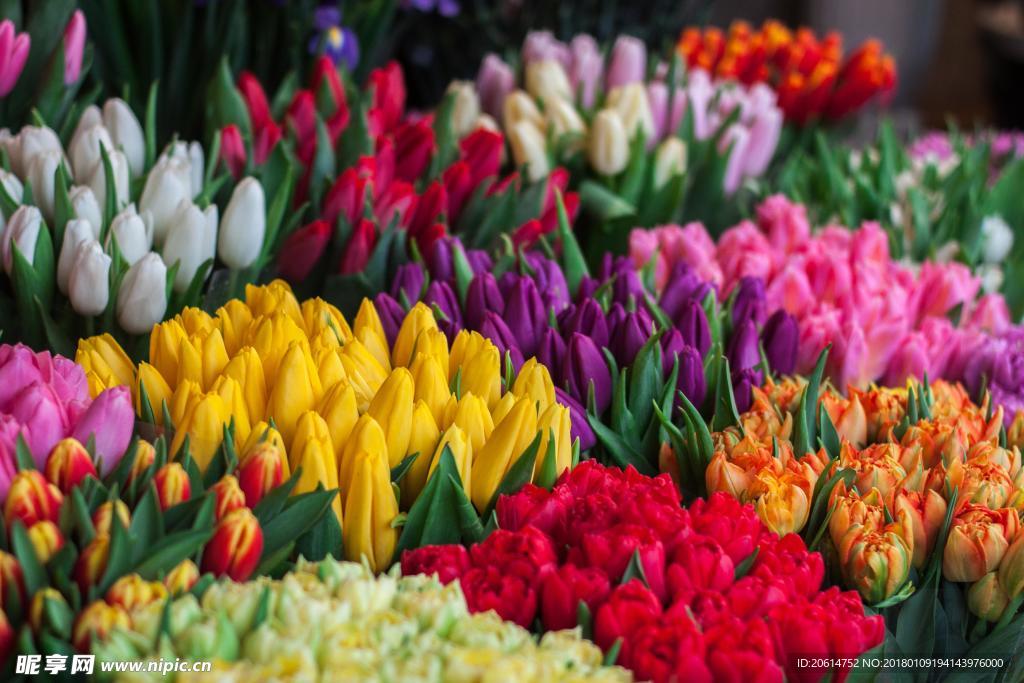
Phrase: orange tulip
x=875 y=562
x=978 y=540
x=987 y=599
x=924 y=513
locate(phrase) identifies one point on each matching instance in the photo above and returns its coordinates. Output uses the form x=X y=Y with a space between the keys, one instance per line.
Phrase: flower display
x=704 y=593
x=317 y=618
x=811 y=75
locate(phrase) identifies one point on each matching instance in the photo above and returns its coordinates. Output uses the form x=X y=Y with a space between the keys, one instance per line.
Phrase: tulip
x=260 y=472
x=181 y=579
x=126 y=133
x=295 y=391
x=743 y=351
x=109 y=422
x=74 y=46
x=563 y=119
x=21 y=233
x=172 y=485
x=103 y=518
x=190 y=242
x=608 y=146
x=534 y=381
x=628 y=62
x=121 y=175
x=133 y=233
x=88 y=282
x=529 y=149
x=32 y=499
x=12 y=580
x=631 y=103
x=779 y=338
x=69 y=463
x=86 y=148
x=520 y=107
x=302 y=250
x=14 y=49
x=96 y=622
x=418 y=319
x=877 y=562
x=203 y=423
x=191 y=155
x=585 y=367
x=510 y=438
x=244 y=225
x=456 y=440
x=45 y=604
x=554 y=424
x=392 y=407
x=987 y=599
x=465 y=108
x=46 y=540
x=228 y=496
x=370 y=509
x=142 y=298
x=494 y=82
x=85 y=206
x=145 y=454
x=77 y=234
x=167 y=185
x=92 y=562
x=978 y=540
x=423 y=442
x=30 y=143
x=669 y=161
x=132 y=591
x=236 y=546
x=359 y=248
x=547 y=81
x=101 y=356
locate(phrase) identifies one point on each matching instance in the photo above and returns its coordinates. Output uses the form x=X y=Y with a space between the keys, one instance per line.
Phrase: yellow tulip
x=780 y=501
x=262 y=432
x=275 y=297
x=294 y=392
x=338 y=408
x=392 y=408
x=204 y=426
x=247 y=369
x=157 y=391
x=555 y=421
x=462 y=452
x=202 y=358
x=474 y=419
x=366 y=437
x=310 y=427
x=534 y=381
x=431 y=385
x=451 y=406
x=182 y=399
x=370 y=508
x=316 y=460
x=433 y=342
x=364 y=372
x=233 y=395
x=481 y=372
x=503 y=406
x=466 y=345
x=105 y=362
x=369 y=330
x=319 y=316
x=328 y=365
x=510 y=438
x=271 y=336
x=195 y=321
x=418 y=319
x=234 y=319
x=164 y=345
x=423 y=441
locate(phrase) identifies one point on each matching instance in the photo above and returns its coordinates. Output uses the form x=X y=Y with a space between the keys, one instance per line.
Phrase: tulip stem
x=90 y=325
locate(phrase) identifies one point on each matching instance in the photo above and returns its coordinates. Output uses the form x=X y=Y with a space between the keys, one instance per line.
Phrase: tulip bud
x=520 y=107
x=126 y=133
x=12 y=184
x=392 y=409
x=145 y=453
x=85 y=150
x=529 y=149
x=978 y=539
x=73 y=44
x=295 y=391
x=12 y=579
x=630 y=101
x=142 y=297
x=102 y=519
x=669 y=161
x=77 y=233
x=121 y=175
x=419 y=318
x=1011 y=569
x=494 y=81
x=546 y=80
x=465 y=109
x=423 y=441
x=45 y=603
x=877 y=563
x=260 y=472
x=229 y=496
x=96 y=622
x=456 y=440
x=555 y=424
x=370 y=509
x=167 y=185
x=510 y=438
x=172 y=485
x=244 y=225
x=236 y=546
x=987 y=599
x=32 y=499
x=203 y=423
x=6 y=632
x=133 y=234
x=132 y=591
x=92 y=563
x=181 y=579
x=88 y=284
x=191 y=240
x=627 y=63
x=563 y=118
x=69 y=463
x=86 y=208
x=608 y=147
x=779 y=337
x=534 y=382
x=46 y=540
x=22 y=232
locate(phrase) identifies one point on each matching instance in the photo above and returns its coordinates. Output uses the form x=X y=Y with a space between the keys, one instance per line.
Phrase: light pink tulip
x=539 y=46
x=586 y=68
x=784 y=222
x=74 y=45
x=941 y=287
x=43 y=419
x=494 y=82
x=111 y=419
x=628 y=63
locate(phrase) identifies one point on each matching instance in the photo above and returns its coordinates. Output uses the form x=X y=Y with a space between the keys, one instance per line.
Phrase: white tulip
x=546 y=80
x=122 y=178
x=487 y=122
x=191 y=242
x=133 y=234
x=244 y=225
x=669 y=161
x=633 y=106
x=31 y=142
x=167 y=184
x=76 y=233
x=41 y=173
x=12 y=185
x=89 y=286
x=563 y=119
x=83 y=201
x=89 y=118
x=191 y=153
x=998 y=238
x=465 y=109
x=126 y=132
x=608 y=147
x=22 y=230
x=86 y=151
x=142 y=299
x=529 y=149
x=519 y=107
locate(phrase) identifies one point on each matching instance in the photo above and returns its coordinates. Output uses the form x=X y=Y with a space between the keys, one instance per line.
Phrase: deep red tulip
x=414 y=147
x=359 y=248
x=302 y=250
x=232 y=149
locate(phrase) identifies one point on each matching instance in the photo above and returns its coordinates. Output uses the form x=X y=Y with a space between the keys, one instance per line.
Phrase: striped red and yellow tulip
x=334 y=399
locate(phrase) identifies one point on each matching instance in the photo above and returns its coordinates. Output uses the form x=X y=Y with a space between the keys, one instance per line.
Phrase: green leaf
x=915 y=628
x=119 y=555
x=146 y=524
x=170 y=551
x=31 y=568
x=150 y=127
x=298 y=516
x=271 y=504
x=399 y=471
x=322 y=540
x=22 y=455
x=574 y=265
x=613 y=653
x=634 y=570
x=726 y=414
x=805 y=436
x=518 y=475
x=434 y=518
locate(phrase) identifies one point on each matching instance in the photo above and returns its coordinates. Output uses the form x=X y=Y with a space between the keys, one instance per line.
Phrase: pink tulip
x=849 y=356
x=700 y=92
x=666 y=119
x=111 y=419
x=586 y=68
x=743 y=250
x=765 y=129
x=542 y=45
x=7 y=470
x=870 y=244
x=910 y=360
x=628 y=63
x=14 y=49
x=20 y=366
x=494 y=82
x=790 y=290
x=74 y=45
x=43 y=419
x=693 y=245
x=941 y=287
x=784 y=222
x=643 y=245
x=990 y=313
x=735 y=141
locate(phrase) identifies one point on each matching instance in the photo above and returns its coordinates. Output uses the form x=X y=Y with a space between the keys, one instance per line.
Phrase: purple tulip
x=629 y=337
x=391 y=315
x=588 y=286
x=666 y=122
x=683 y=284
x=742 y=383
x=628 y=62
x=627 y=283
x=779 y=338
x=672 y=344
x=507 y=281
x=693 y=323
x=495 y=329
x=442 y=295
x=589 y=319
x=749 y=303
x=494 y=81
x=539 y=46
x=481 y=297
x=691 y=379
x=550 y=281
x=439 y=261
x=584 y=367
x=110 y=419
x=580 y=427
x=743 y=351
x=551 y=352
x=409 y=279
x=479 y=261
x=616 y=314
x=525 y=315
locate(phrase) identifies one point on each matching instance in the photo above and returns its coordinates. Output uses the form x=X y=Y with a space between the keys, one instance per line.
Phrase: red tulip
x=528 y=553
x=263 y=142
x=536 y=506
x=383 y=165
x=699 y=564
x=449 y=562
x=69 y=463
x=260 y=472
x=459 y=185
x=509 y=595
x=236 y=546
x=255 y=100
x=388 y=106
x=359 y=248
x=630 y=606
x=301 y=117
x=398 y=199
x=527 y=234
x=302 y=249
x=481 y=150
x=562 y=590
x=232 y=149
x=229 y=496
x=32 y=499
x=414 y=147
x=429 y=207
x=347 y=197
